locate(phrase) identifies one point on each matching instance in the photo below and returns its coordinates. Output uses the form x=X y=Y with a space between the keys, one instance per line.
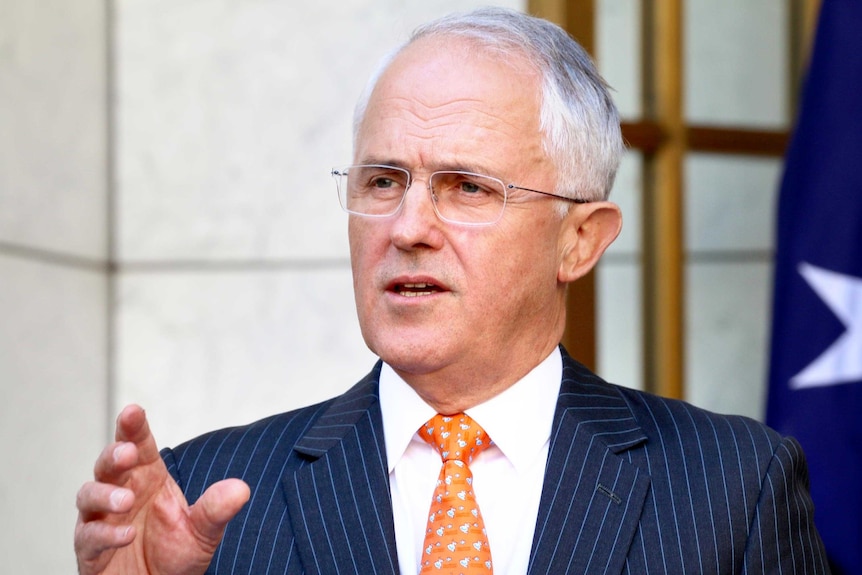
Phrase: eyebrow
x=461 y=167
x=376 y=161
x=443 y=167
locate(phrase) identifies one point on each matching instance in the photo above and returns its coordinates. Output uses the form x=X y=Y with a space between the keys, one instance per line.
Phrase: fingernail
x=117 y=497
x=118 y=451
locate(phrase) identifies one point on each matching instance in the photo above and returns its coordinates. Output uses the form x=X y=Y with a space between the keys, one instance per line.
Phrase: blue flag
x=815 y=382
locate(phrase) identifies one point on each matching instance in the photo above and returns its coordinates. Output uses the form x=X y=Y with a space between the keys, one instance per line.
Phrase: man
x=484 y=153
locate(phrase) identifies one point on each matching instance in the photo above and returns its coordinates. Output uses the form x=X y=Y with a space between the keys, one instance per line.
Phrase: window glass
x=736 y=62
x=729 y=202
x=729 y=213
x=726 y=335
x=618 y=40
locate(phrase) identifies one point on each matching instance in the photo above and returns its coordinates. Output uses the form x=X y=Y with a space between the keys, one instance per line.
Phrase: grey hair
x=579 y=121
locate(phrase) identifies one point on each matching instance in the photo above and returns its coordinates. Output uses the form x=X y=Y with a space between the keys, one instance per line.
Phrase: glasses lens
x=467 y=198
x=371 y=190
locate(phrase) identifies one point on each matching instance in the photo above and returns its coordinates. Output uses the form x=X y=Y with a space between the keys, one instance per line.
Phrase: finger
x=93 y=538
x=115 y=461
x=132 y=426
x=217 y=506
x=97 y=499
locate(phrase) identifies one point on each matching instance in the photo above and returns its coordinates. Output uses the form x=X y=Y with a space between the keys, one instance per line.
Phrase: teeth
x=414 y=293
x=416 y=289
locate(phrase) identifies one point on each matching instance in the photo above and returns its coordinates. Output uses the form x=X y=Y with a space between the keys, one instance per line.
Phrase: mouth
x=416 y=289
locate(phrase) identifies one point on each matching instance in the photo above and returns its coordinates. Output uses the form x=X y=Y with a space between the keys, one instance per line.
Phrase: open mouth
x=415 y=289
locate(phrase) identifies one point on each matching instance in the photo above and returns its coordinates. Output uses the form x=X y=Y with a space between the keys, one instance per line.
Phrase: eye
x=469 y=187
x=381 y=179
x=382 y=182
x=474 y=186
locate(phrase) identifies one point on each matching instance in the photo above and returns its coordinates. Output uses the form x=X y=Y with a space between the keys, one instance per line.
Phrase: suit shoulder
x=666 y=421
x=667 y=418
x=243 y=451
x=661 y=414
x=280 y=428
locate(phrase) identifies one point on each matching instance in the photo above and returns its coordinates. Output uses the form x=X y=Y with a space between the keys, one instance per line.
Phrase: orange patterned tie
x=455 y=542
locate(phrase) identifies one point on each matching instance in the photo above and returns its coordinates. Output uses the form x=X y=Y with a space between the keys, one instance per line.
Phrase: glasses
x=458 y=197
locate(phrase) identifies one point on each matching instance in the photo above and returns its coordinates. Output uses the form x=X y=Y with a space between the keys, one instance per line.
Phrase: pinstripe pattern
x=635 y=484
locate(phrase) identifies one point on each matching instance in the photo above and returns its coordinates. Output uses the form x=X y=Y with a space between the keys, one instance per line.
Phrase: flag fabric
x=815 y=380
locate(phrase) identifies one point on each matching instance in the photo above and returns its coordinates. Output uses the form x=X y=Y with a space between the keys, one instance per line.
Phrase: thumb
x=217 y=506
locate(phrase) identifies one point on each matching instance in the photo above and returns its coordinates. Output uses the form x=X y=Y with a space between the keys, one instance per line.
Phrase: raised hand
x=133 y=518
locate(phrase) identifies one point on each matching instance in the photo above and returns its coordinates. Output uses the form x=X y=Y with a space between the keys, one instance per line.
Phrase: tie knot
x=455 y=437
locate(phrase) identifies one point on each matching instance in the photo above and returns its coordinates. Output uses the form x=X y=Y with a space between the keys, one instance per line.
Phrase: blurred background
x=170 y=235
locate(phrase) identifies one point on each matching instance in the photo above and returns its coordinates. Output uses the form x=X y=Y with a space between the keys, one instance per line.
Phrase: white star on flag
x=842 y=361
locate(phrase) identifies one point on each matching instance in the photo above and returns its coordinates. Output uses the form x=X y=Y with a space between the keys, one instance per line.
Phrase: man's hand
x=135 y=519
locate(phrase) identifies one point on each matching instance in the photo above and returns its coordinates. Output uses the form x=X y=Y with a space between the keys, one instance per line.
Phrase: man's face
x=437 y=299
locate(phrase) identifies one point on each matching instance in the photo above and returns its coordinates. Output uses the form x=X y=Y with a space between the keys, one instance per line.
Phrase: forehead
x=446 y=100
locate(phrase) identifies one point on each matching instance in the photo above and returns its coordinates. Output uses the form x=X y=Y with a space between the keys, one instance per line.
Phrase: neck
x=453 y=390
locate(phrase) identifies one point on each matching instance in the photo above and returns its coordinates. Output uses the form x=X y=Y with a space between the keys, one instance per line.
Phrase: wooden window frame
x=664 y=139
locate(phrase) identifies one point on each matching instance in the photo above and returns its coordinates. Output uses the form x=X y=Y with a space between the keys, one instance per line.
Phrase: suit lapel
x=341 y=512
x=592 y=496
x=339 y=501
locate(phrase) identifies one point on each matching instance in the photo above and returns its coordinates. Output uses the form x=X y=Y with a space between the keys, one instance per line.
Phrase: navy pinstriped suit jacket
x=634 y=484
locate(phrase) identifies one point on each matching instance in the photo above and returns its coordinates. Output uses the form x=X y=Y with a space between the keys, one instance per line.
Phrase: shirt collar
x=519 y=419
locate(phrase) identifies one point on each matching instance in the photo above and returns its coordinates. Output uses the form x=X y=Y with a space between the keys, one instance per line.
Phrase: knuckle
x=84 y=539
x=84 y=496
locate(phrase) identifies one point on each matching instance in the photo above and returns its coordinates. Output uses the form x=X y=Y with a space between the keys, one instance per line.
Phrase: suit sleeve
x=782 y=537
x=171 y=463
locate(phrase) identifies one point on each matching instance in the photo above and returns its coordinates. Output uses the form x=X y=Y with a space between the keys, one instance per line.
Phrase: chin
x=417 y=358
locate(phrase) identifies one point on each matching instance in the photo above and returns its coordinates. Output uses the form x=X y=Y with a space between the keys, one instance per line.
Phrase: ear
x=588 y=229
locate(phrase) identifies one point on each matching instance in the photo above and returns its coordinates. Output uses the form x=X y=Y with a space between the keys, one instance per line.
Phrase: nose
x=416 y=224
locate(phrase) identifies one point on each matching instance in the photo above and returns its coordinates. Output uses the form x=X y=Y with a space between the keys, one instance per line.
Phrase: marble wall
x=53 y=272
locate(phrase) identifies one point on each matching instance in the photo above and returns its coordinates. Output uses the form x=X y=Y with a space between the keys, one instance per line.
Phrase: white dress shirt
x=514 y=464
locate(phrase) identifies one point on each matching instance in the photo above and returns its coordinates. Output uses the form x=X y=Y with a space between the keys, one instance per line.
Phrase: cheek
x=503 y=276
x=362 y=260
x=365 y=240
x=358 y=260
x=525 y=273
